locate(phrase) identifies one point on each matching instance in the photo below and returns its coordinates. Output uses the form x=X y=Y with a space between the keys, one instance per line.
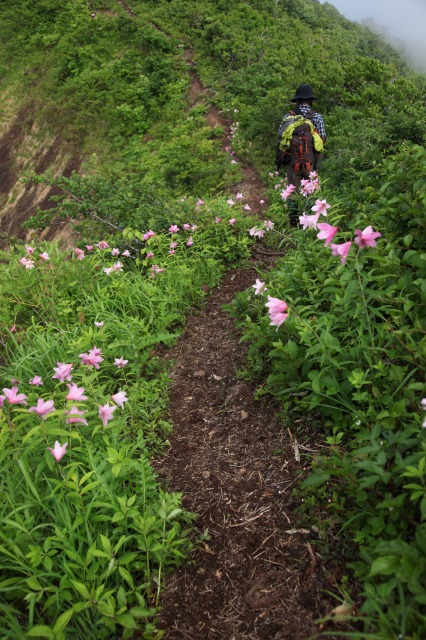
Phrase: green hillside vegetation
x=86 y=539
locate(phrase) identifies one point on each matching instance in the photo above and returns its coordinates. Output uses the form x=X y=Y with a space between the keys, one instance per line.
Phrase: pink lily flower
x=321 y=207
x=174 y=228
x=186 y=226
x=261 y=202
x=234 y=162
x=172 y=252
x=119 y=398
x=44 y=256
x=36 y=381
x=218 y=220
x=14 y=397
x=63 y=371
x=29 y=250
x=173 y=245
x=126 y=253
x=269 y=225
x=307 y=187
x=108 y=270
x=341 y=250
x=79 y=253
x=92 y=359
x=102 y=244
x=43 y=408
x=199 y=202
x=286 y=193
x=230 y=202
x=120 y=363
x=117 y=266
x=28 y=264
x=95 y=351
x=74 y=416
x=276 y=311
x=190 y=242
x=367 y=238
x=155 y=269
x=105 y=413
x=89 y=247
x=194 y=227
x=149 y=254
x=327 y=232
x=58 y=452
x=259 y=287
x=309 y=221
x=247 y=207
x=75 y=393
x=115 y=252
x=232 y=221
x=98 y=324
x=239 y=196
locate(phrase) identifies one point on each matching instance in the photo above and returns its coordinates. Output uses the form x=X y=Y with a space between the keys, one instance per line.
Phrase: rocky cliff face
x=25 y=148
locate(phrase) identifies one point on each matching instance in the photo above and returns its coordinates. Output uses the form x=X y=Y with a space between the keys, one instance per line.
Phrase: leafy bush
x=87 y=535
x=353 y=350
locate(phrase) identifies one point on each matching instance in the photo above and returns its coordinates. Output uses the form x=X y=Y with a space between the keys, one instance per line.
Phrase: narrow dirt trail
x=254 y=576
x=251 y=186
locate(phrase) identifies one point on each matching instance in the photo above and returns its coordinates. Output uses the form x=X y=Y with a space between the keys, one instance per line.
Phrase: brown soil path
x=251 y=186
x=255 y=575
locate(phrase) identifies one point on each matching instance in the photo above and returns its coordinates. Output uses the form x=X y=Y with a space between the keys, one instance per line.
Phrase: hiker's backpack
x=299 y=142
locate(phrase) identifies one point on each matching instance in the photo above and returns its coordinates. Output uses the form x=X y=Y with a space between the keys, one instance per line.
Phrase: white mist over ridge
x=401 y=22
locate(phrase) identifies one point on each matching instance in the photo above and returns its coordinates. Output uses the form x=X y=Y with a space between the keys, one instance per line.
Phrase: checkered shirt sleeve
x=316 y=119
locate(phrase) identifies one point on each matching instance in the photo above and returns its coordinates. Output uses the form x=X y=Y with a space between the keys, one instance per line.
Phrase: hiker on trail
x=302 y=136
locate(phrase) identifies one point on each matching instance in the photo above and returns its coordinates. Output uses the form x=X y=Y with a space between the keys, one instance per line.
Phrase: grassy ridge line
x=117 y=84
x=85 y=541
x=255 y=54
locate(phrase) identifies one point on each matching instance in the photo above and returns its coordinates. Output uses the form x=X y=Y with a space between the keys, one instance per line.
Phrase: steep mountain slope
x=106 y=78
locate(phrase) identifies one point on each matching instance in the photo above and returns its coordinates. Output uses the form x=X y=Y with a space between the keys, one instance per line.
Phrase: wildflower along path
x=254 y=575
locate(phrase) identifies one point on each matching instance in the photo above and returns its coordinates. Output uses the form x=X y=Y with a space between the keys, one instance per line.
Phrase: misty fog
x=401 y=22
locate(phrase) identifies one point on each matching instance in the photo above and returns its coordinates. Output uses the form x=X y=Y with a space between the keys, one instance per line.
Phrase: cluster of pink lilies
x=278 y=309
x=63 y=373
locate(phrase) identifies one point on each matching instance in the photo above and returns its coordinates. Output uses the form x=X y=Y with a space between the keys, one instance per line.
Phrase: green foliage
x=255 y=54
x=353 y=350
x=117 y=84
x=85 y=542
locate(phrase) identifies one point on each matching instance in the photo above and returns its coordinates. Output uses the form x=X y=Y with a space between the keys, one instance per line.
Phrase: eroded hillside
x=26 y=148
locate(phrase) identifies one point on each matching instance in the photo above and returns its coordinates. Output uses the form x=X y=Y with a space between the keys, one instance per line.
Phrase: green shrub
x=353 y=350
